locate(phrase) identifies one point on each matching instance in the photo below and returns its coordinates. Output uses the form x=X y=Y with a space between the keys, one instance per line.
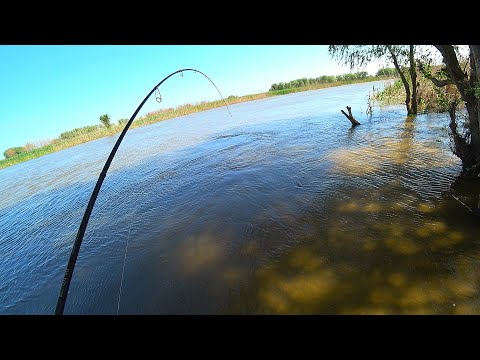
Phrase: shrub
x=13 y=151
x=105 y=120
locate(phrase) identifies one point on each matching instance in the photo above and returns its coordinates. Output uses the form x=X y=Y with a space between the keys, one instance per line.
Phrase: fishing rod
x=62 y=297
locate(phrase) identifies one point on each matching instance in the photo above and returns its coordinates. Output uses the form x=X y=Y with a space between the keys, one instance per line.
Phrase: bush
x=13 y=151
x=105 y=120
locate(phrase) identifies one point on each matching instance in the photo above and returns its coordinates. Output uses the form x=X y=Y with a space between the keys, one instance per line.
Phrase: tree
x=387 y=72
x=466 y=145
x=400 y=55
x=10 y=152
x=105 y=120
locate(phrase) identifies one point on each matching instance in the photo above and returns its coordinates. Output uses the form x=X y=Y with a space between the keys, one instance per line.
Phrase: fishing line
x=461 y=202
x=125 y=260
x=62 y=297
x=158 y=96
x=123 y=271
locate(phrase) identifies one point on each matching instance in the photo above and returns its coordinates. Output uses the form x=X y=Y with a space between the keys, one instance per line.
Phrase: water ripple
x=280 y=209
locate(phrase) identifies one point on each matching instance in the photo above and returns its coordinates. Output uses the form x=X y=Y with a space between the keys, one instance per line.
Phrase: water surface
x=282 y=208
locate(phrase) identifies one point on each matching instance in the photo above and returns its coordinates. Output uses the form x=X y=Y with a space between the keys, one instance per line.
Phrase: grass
x=88 y=133
x=431 y=98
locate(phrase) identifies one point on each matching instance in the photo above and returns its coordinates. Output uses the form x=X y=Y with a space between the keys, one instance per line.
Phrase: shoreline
x=77 y=136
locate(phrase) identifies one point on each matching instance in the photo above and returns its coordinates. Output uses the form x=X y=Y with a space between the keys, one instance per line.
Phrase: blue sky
x=46 y=90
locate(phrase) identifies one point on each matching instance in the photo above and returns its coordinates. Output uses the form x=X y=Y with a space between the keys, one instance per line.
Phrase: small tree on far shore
x=105 y=120
x=10 y=152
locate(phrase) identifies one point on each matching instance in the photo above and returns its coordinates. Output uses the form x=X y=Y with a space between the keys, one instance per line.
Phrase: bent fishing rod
x=62 y=297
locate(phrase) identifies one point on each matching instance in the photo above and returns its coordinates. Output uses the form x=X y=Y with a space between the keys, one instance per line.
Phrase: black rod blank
x=62 y=297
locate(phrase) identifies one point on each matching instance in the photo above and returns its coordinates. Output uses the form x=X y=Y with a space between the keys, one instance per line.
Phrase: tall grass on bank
x=92 y=132
x=431 y=98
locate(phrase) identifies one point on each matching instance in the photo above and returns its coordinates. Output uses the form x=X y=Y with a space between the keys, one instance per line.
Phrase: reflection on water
x=281 y=209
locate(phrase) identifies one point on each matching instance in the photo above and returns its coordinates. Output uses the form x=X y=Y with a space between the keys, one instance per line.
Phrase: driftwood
x=350 y=116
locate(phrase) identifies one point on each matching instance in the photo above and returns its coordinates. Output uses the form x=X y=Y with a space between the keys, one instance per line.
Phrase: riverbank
x=82 y=135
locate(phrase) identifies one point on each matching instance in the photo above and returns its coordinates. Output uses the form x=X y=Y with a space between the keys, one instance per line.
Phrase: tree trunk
x=461 y=147
x=404 y=80
x=471 y=157
x=350 y=116
x=475 y=126
x=413 y=76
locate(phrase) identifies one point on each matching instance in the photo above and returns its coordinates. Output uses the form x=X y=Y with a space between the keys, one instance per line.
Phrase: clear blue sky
x=46 y=90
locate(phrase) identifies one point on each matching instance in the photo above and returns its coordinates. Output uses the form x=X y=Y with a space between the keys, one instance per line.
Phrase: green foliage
x=393 y=93
x=476 y=90
x=122 y=122
x=70 y=134
x=431 y=97
x=28 y=155
x=14 y=151
x=441 y=102
x=356 y=55
x=105 y=120
x=387 y=72
x=324 y=79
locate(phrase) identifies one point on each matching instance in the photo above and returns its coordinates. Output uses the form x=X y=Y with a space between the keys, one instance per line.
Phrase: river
x=280 y=209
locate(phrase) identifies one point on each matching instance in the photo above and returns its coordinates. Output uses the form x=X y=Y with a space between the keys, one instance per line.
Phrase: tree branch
x=474 y=62
x=402 y=77
x=455 y=71
x=434 y=80
x=440 y=83
x=413 y=77
x=350 y=117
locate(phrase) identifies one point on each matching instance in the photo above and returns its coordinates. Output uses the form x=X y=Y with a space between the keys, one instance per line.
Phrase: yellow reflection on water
x=290 y=294
x=380 y=249
x=305 y=260
x=232 y=275
x=397 y=279
x=403 y=246
x=353 y=161
x=350 y=265
x=426 y=208
x=198 y=252
x=249 y=249
x=397 y=149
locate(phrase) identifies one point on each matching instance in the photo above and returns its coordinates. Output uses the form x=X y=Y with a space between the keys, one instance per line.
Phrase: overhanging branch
x=434 y=80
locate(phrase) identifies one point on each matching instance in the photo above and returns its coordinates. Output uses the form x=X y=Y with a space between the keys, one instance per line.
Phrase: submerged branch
x=350 y=117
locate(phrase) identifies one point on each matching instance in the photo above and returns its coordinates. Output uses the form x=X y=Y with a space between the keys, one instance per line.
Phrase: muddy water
x=281 y=208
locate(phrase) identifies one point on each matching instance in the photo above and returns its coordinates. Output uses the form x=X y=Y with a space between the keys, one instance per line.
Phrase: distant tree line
x=387 y=72
x=324 y=79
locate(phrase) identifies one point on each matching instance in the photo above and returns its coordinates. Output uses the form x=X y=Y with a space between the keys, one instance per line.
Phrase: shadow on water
x=352 y=265
x=380 y=250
